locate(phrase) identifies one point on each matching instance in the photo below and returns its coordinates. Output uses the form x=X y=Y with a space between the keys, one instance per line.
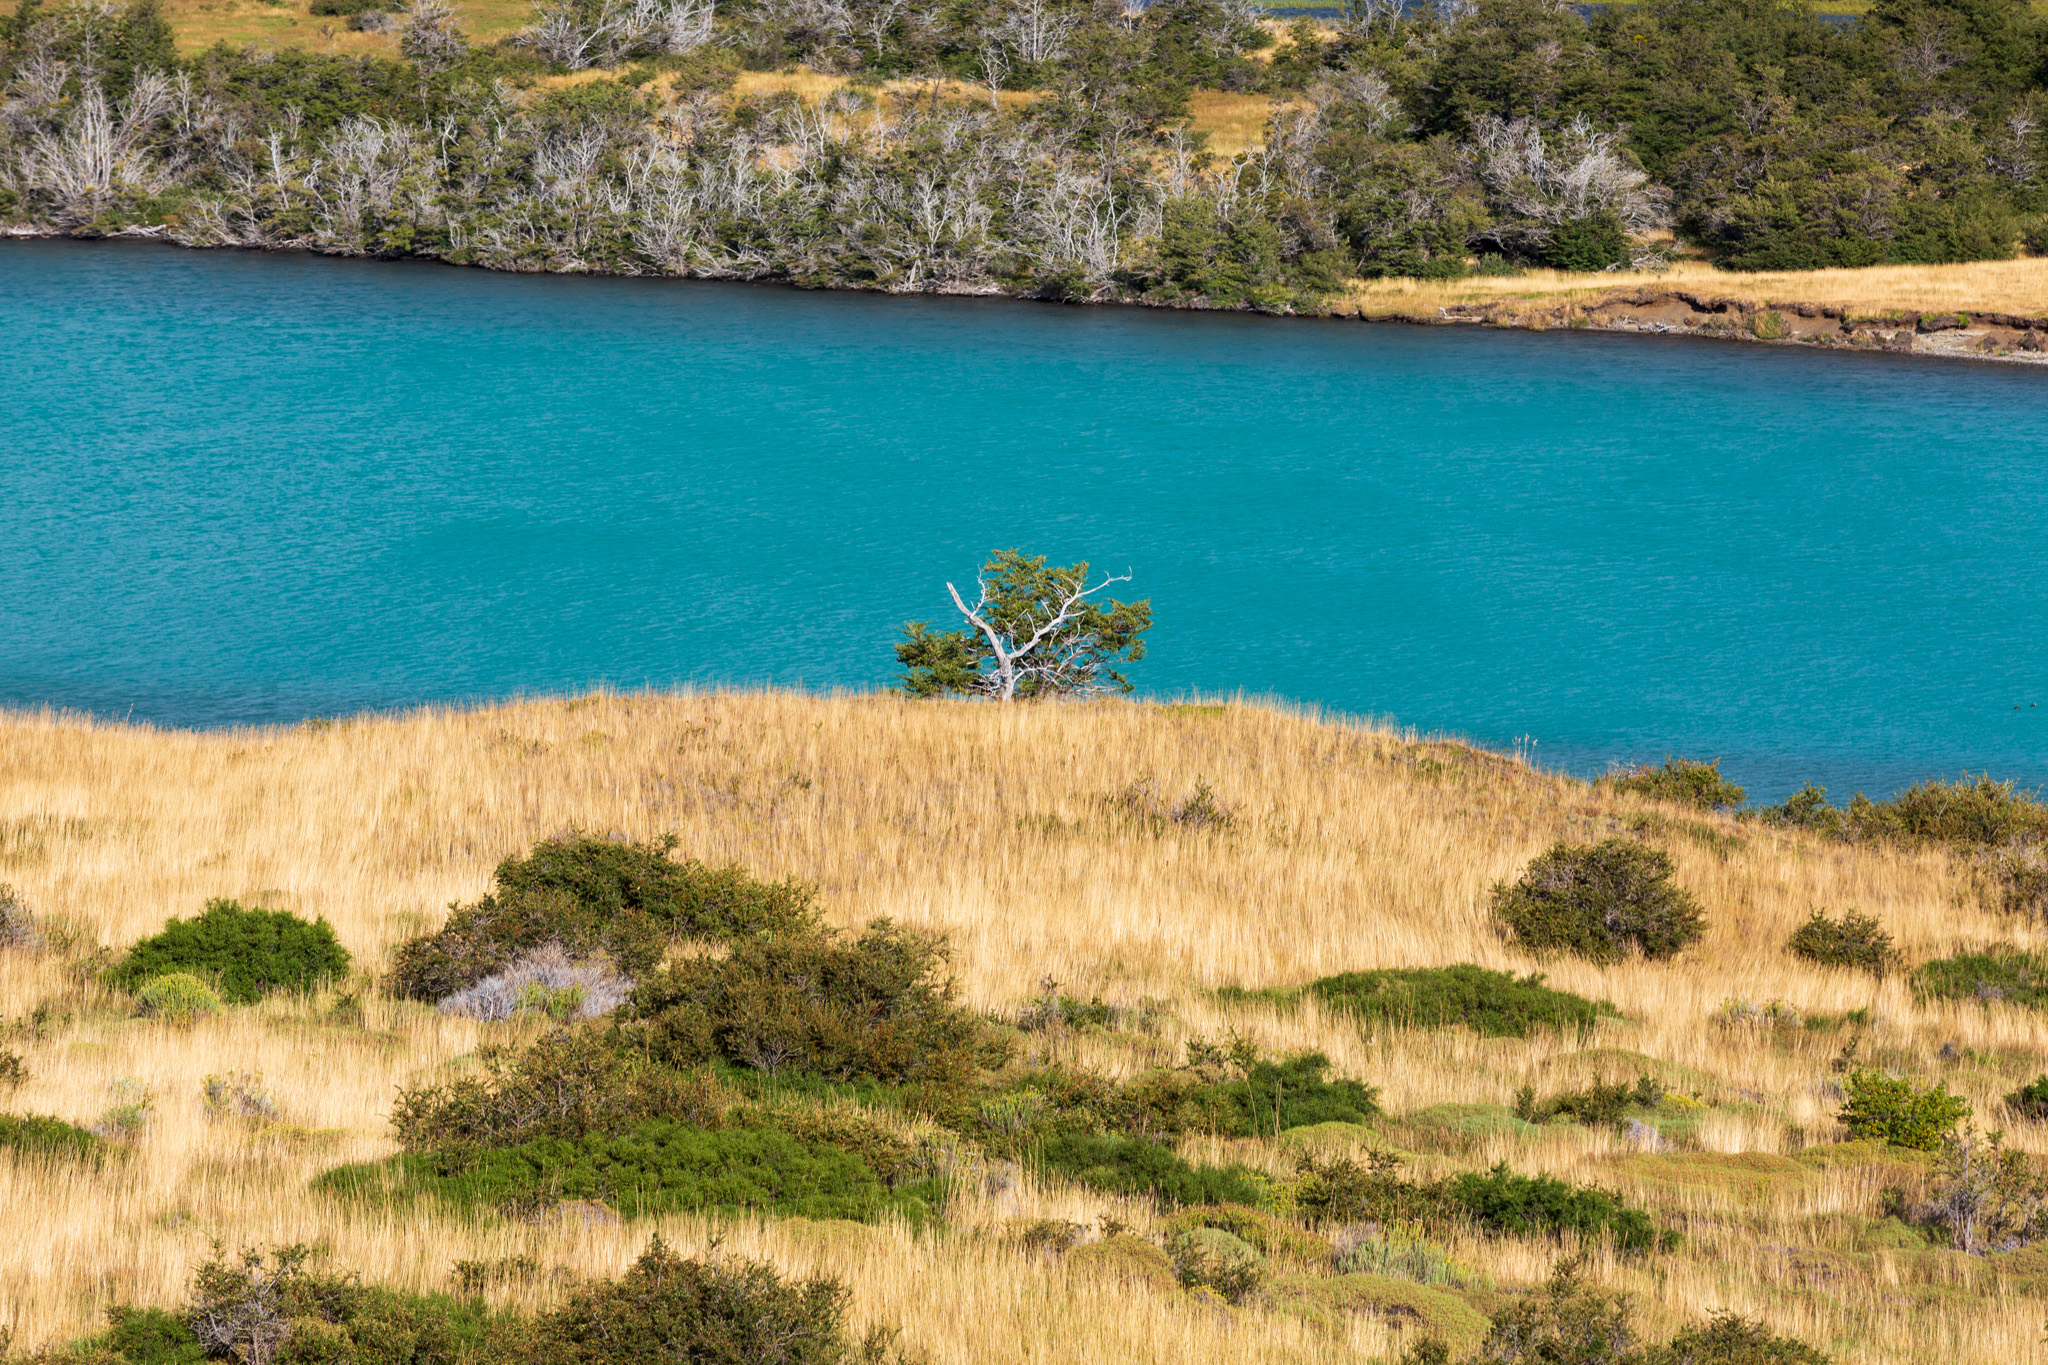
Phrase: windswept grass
x=1353 y=848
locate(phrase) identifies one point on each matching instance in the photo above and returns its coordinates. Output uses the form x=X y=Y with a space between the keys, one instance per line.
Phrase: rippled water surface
x=256 y=488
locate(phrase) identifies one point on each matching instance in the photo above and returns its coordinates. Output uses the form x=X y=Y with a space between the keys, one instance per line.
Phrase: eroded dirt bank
x=1964 y=335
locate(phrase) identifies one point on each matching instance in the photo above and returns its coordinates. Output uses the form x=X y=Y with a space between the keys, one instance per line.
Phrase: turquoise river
x=255 y=488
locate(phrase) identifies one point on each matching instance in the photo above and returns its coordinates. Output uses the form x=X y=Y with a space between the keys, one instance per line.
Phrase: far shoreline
x=1637 y=305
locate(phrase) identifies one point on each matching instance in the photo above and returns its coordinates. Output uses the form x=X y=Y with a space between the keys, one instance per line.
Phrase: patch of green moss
x=1417 y=1312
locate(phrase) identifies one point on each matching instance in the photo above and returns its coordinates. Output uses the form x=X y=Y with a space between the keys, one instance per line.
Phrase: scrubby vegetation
x=1898 y=1111
x=244 y=954
x=176 y=997
x=1600 y=902
x=2004 y=974
x=588 y=896
x=1681 y=781
x=40 y=1134
x=667 y=1309
x=1135 y=1156
x=1857 y=941
x=1491 y=1004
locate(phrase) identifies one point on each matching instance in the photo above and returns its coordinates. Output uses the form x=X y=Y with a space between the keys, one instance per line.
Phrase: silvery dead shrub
x=547 y=980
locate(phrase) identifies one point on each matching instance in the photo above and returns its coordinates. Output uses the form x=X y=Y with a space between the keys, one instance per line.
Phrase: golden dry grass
x=2019 y=286
x=1355 y=847
x=199 y=24
x=1234 y=123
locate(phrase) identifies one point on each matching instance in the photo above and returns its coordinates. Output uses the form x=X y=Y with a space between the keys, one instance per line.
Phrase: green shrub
x=627 y=901
x=2030 y=1100
x=1896 y=1110
x=1492 y=1004
x=1681 y=781
x=1304 y=1095
x=660 y=1166
x=1806 y=809
x=13 y=1070
x=570 y=1083
x=1967 y=813
x=1116 y=1164
x=670 y=1311
x=2021 y=878
x=1600 y=1104
x=150 y=1336
x=245 y=954
x=1732 y=1340
x=1855 y=940
x=1599 y=902
x=1569 y=1322
x=41 y=1135
x=177 y=996
x=1210 y=1258
x=2001 y=974
x=1520 y=1206
x=877 y=1006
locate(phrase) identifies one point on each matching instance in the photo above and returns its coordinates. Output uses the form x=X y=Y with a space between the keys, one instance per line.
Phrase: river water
x=253 y=488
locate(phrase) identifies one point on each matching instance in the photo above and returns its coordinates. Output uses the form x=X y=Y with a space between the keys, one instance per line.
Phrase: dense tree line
x=1042 y=148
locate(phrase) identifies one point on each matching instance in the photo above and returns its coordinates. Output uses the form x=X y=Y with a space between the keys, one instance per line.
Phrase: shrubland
x=998 y=1070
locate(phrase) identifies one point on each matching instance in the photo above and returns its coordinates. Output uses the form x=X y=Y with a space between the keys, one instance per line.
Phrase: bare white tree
x=1034 y=641
x=1035 y=31
x=995 y=69
x=1574 y=174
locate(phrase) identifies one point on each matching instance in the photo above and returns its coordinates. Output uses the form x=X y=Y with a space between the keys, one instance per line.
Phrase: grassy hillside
x=1347 y=848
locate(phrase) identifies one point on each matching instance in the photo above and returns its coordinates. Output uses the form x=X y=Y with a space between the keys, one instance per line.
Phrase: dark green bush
x=245 y=954
x=1896 y=1110
x=345 y=8
x=1300 y=1087
x=1806 y=809
x=2001 y=974
x=1117 y=1164
x=877 y=1006
x=570 y=1083
x=41 y=1135
x=1599 y=902
x=150 y=1336
x=1968 y=813
x=670 y=1311
x=1682 y=781
x=1855 y=940
x=1601 y=1103
x=1732 y=1340
x=625 y=900
x=1521 y=1206
x=1569 y=1322
x=2030 y=1100
x=1492 y=1004
x=660 y=1166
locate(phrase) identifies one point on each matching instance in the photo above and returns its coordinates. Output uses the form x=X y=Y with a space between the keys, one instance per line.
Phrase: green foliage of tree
x=1032 y=632
x=245 y=954
x=1492 y=1004
x=1898 y=1111
x=1600 y=902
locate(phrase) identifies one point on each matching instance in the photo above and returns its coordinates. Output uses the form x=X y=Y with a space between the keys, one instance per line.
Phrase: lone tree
x=1033 y=632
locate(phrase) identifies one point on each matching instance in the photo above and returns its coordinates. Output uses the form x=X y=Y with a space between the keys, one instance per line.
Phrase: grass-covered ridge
x=1358 y=850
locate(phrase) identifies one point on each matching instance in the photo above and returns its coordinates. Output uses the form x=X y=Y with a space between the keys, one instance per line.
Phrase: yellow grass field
x=2019 y=287
x=1354 y=846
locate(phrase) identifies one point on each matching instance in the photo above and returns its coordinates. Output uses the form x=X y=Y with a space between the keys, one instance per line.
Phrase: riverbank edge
x=1961 y=335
